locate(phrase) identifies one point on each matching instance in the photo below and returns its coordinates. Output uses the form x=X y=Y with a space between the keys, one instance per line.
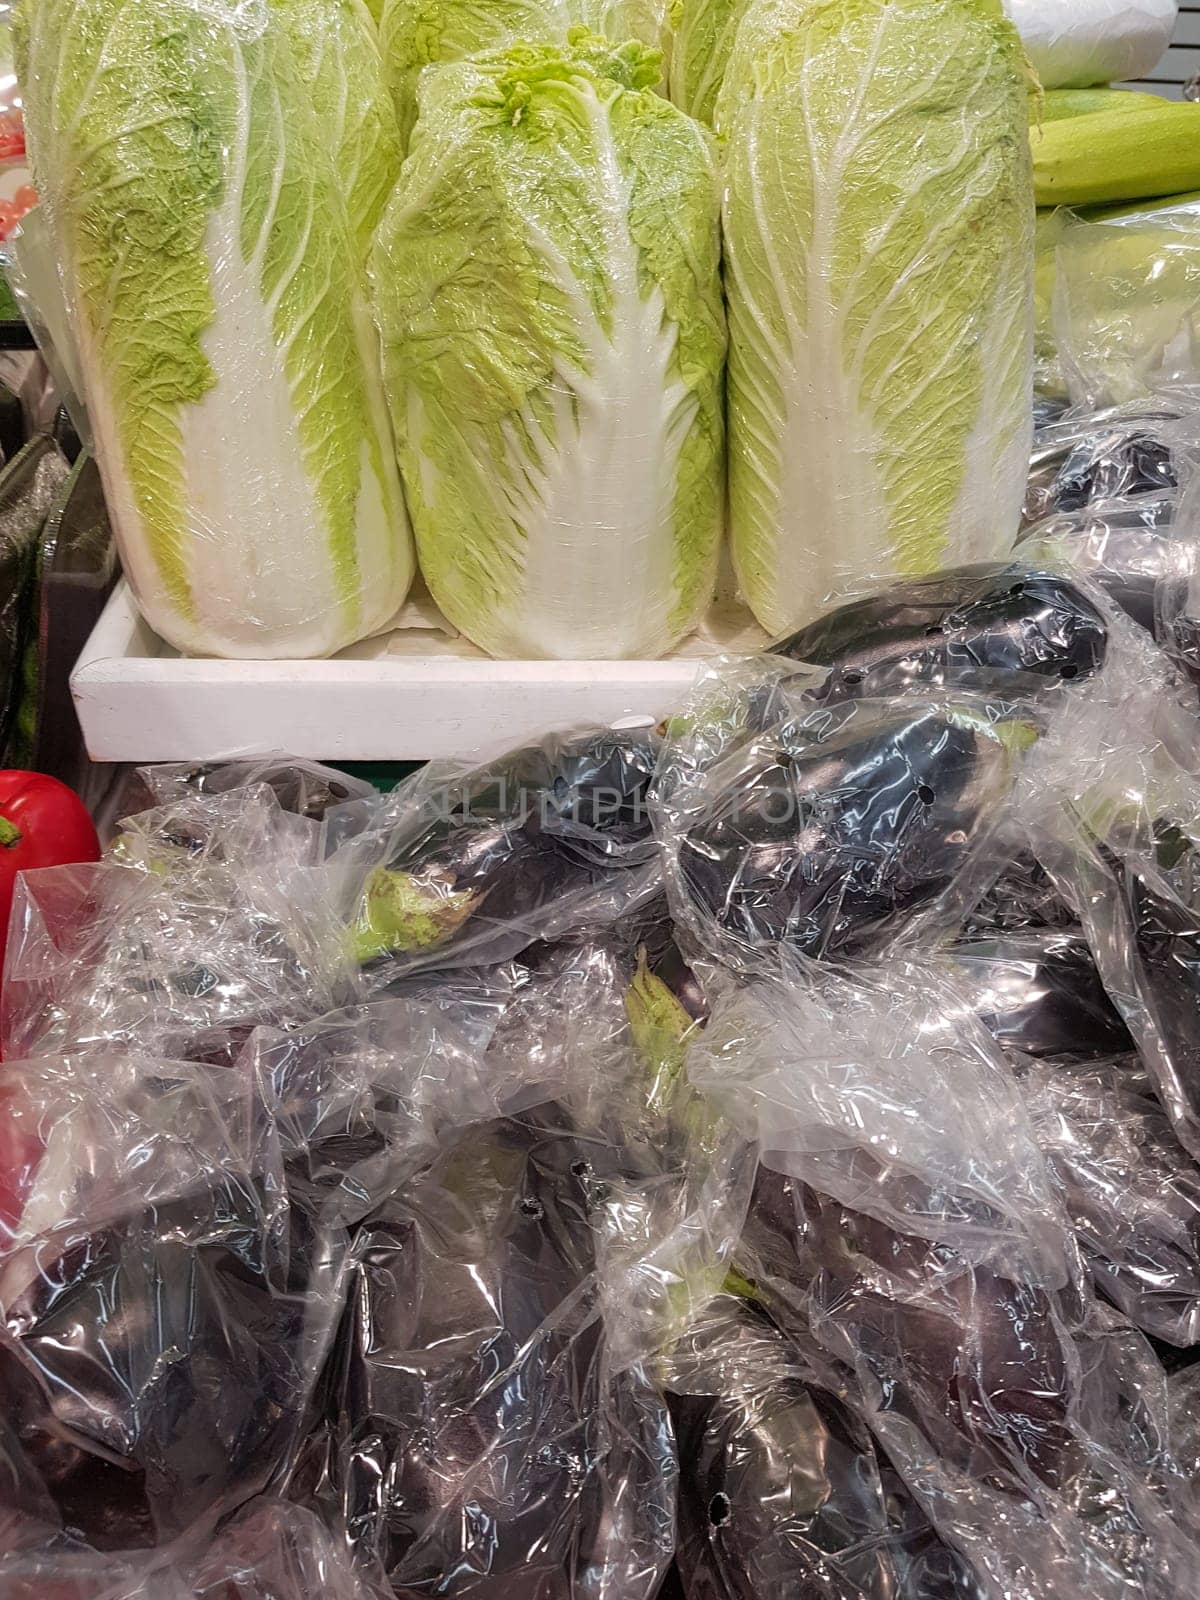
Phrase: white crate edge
x=139 y=702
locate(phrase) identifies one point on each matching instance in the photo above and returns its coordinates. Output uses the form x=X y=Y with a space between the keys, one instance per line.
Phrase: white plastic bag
x=1074 y=43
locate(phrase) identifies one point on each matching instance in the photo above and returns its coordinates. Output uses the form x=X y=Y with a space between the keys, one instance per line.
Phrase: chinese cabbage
x=547 y=282
x=879 y=248
x=229 y=358
x=336 y=48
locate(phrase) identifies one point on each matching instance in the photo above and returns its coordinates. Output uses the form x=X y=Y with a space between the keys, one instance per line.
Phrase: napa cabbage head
x=548 y=287
x=879 y=251
x=415 y=34
x=218 y=300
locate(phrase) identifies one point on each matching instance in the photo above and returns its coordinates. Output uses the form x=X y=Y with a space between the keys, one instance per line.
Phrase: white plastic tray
x=413 y=694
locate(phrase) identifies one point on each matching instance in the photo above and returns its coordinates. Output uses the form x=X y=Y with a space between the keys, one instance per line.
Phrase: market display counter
x=413 y=694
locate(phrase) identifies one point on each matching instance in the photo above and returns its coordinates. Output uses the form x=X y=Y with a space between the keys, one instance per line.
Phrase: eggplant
x=154 y=1367
x=1023 y=899
x=1078 y=463
x=831 y=846
x=961 y=626
x=302 y=788
x=498 y=860
x=1145 y=935
x=1131 y=1191
x=1127 y=547
x=783 y=1492
x=1040 y=993
x=1028 y=1416
x=468 y=1400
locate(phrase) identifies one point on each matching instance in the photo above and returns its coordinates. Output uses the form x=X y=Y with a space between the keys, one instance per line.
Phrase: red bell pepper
x=42 y=824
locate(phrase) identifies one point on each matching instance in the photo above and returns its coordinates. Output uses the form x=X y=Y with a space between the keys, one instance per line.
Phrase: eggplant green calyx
x=401 y=912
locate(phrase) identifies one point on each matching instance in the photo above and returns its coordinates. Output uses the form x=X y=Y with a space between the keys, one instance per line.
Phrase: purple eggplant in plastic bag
x=1040 y=993
x=471 y=1405
x=831 y=830
x=472 y=868
x=1128 y=547
x=1126 y=451
x=1131 y=1191
x=782 y=1489
x=163 y=1304
x=962 y=626
x=1031 y=1430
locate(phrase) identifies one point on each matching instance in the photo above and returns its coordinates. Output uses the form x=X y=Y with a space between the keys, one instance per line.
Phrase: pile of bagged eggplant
x=744 y=1159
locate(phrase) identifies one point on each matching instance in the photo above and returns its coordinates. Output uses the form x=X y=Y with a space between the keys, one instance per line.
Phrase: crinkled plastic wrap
x=302 y=788
x=1120 y=841
x=208 y=917
x=1031 y=1427
x=1183 y=1395
x=272 y=1551
x=481 y=1445
x=782 y=1488
x=1130 y=1189
x=883 y=1091
x=165 y=1306
x=535 y=1198
x=464 y=868
x=1108 y=498
x=991 y=620
x=242 y=429
x=1141 y=448
x=1039 y=993
x=828 y=828
x=1127 y=303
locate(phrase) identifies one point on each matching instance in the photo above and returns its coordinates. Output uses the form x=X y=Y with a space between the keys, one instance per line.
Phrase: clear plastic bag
x=272 y=1551
x=481 y=1444
x=782 y=1489
x=166 y=1306
x=1119 y=836
x=1129 y=547
x=1130 y=1189
x=304 y=788
x=1126 y=306
x=535 y=1199
x=827 y=828
x=1031 y=1427
x=208 y=917
x=1040 y=993
x=882 y=1090
x=1141 y=448
x=469 y=867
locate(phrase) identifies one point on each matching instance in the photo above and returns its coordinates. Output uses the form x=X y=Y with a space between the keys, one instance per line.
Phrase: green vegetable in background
x=1116 y=155
x=1052 y=105
x=549 y=292
x=1127 y=312
x=879 y=248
